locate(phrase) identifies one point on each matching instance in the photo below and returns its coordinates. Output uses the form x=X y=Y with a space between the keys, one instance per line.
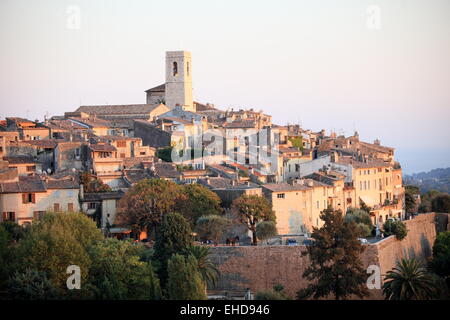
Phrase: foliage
x=364 y=206
x=184 y=282
x=362 y=220
x=55 y=242
x=276 y=293
x=165 y=154
x=117 y=272
x=205 y=266
x=32 y=285
x=441 y=203
x=249 y=210
x=199 y=201
x=440 y=263
x=426 y=200
x=93 y=184
x=266 y=230
x=335 y=268
x=212 y=227
x=174 y=236
x=410 y=199
x=396 y=227
x=297 y=142
x=144 y=204
x=409 y=280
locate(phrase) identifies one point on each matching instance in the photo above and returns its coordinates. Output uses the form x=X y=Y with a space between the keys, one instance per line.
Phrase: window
x=70 y=207
x=365 y=185
x=38 y=215
x=360 y=185
x=368 y=184
x=187 y=68
x=31 y=168
x=297 y=167
x=121 y=144
x=9 y=216
x=317 y=204
x=92 y=205
x=174 y=68
x=77 y=153
x=56 y=207
x=280 y=195
x=28 y=198
x=142 y=153
x=122 y=155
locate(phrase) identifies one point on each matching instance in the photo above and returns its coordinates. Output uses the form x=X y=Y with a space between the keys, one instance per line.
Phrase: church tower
x=179 y=80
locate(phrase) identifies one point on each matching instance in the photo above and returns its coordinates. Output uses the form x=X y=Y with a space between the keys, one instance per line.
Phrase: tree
x=32 y=285
x=396 y=227
x=212 y=227
x=266 y=230
x=198 y=201
x=441 y=203
x=335 y=268
x=362 y=220
x=410 y=199
x=165 y=154
x=92 y=183
x=205 y=266
x=276 y=293
x=249 y=210
x=118 y=273
x=440 y=263
x=426 y=200
x=144 y=204
x=184 y=282
x=173 y=237
x=57 y=241
x=409 y=280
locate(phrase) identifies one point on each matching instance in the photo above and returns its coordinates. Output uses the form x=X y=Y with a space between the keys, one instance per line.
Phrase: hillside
x=438 y=179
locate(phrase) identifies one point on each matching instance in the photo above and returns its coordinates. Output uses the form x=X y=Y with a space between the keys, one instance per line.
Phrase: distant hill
x=437 y=179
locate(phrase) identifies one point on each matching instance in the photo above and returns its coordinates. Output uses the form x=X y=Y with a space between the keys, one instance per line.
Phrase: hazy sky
x=316 y=62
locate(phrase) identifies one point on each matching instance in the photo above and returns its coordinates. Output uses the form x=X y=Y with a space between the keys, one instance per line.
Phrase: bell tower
x=179 y=80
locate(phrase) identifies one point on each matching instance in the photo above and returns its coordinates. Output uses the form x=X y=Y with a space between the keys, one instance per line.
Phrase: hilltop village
x=45 y=166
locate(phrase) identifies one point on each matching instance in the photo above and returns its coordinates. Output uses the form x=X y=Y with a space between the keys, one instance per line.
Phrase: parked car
x=363 y=241
x=308 y=242
x=291 y=242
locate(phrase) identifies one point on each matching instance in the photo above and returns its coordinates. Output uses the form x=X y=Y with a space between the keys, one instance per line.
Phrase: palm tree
x=206 y=267
x=409 y=280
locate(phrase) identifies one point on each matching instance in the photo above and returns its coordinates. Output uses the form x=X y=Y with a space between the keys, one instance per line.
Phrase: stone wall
x=260 y=268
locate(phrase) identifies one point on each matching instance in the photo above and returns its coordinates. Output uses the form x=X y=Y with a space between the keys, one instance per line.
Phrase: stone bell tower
x=179 y=80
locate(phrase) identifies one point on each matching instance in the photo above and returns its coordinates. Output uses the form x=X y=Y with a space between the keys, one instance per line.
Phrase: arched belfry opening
x=174 y=68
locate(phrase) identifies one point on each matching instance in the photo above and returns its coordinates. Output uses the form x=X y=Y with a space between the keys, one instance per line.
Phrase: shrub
x=397 y=228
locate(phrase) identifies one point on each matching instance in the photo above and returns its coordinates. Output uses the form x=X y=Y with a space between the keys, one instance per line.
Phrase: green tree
x=205 y=266
x=335 y=268
x=249 y=210
x=410 y=199
x=145 y=204
x=92 y=184
x=199 y=201
x=297 y=142
x=184 y=282
x=409 y=280
x=165 y=154
x=266 y=230
x=212 y=227
x=396 y=227
x=362 y=220
x=277 y=293
x=440 y=263
x=117 y=272
x=32 y=285
x=174 y=236
x=441 y=203
x=55 y=242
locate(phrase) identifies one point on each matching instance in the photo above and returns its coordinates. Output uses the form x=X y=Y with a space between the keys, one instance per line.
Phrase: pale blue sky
x=309 y=61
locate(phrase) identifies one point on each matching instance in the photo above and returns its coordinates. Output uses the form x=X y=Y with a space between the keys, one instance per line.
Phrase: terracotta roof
x=19 y=159
x=225 y=183
x=62 y=184
x=166 y=170
x=48 y=143
x=25 y=184
x=102 y=148
x=160 y=88
x=173 y=119
x=284 y=187
x=135 y=175
x=374 y=163
x=98 y=196
x=240 y=124
x=118 y=109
